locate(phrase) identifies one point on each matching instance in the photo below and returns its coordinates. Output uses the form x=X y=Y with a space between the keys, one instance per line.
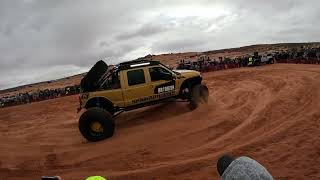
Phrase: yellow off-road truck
x=108 y=91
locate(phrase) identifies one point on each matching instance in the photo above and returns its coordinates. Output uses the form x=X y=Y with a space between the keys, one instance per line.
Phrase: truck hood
x=183 y=70
x=188 y=73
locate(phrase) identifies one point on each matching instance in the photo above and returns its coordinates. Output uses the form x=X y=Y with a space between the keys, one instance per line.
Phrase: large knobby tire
x=96 y=124
x=199 y=95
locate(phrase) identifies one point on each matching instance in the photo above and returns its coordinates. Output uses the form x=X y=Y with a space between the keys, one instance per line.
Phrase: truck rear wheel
x=96 y=124
x=199 y=95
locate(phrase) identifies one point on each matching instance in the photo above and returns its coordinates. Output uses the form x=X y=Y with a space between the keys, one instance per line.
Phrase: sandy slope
x=271 y=113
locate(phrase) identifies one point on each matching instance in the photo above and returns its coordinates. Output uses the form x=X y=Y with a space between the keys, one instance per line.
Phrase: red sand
x=270 y=113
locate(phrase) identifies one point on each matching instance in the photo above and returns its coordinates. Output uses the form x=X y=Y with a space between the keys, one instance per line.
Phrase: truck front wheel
x=199 y=95
x=96 y=124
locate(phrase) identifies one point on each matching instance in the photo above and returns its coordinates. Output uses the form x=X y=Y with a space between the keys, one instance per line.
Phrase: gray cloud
x=180 y=45
x=44 y=39
x=145 y=30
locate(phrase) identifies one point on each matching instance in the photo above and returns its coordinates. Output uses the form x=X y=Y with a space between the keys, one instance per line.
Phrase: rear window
x=136 y=77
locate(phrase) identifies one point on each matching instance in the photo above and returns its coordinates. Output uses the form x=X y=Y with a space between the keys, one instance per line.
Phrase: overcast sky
x=48 y=39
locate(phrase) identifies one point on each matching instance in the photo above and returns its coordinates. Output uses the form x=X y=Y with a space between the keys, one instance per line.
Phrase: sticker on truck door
x=166 y=87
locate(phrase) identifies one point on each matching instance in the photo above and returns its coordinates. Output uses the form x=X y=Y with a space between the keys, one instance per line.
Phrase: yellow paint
x=96 y=127
x=96 y=178
x=250 y=61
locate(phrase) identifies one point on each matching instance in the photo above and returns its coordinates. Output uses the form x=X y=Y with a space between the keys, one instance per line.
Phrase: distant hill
x=53 y=84
x=173 y=58
x=168 y=59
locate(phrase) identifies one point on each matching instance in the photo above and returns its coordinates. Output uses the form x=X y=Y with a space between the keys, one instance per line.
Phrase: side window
x=159 y=73
x=136 y=77
x=112 y=82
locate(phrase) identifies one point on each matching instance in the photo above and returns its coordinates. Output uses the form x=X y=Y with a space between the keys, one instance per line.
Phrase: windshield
x=172 y=71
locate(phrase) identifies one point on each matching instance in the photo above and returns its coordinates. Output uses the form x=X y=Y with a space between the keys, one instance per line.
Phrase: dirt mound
x=269 y=113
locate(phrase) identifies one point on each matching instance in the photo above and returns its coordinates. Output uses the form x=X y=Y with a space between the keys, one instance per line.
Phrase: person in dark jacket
x=242 y=168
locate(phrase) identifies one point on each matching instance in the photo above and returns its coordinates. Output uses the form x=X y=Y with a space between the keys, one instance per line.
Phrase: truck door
x=136 y=89
x=162 y=82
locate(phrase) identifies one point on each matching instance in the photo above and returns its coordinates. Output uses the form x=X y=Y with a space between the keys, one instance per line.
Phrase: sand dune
x=270 y=113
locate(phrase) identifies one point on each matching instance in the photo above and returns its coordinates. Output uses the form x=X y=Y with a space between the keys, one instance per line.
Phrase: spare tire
x=90 y=81
x=96 y=124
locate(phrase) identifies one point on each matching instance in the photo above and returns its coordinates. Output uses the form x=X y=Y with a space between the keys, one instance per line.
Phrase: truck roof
x=136 y=63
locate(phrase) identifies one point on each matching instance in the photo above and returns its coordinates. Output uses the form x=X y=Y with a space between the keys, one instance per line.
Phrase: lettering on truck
x=153 y=97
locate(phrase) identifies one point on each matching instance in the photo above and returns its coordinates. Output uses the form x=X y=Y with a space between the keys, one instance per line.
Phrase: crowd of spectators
x=204 y=63
x=303 y=55
x=39 y=95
